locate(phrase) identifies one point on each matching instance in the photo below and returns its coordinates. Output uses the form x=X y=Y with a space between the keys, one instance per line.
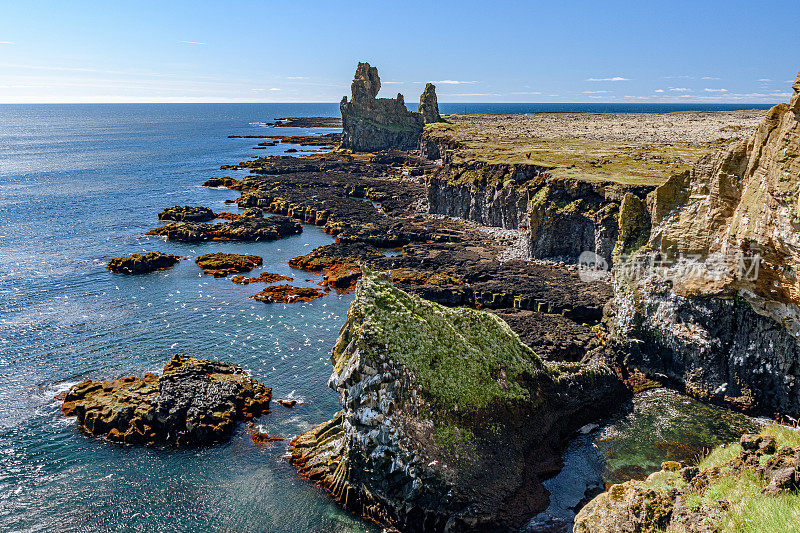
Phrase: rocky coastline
x=470 y=357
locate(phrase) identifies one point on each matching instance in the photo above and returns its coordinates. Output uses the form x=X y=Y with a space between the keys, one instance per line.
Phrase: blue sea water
x=80 y=184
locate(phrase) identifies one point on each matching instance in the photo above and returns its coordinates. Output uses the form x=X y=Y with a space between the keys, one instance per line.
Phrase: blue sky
x=296 y=51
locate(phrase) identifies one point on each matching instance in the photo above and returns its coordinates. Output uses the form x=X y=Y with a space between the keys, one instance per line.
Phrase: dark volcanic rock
x=429 y=105
x=187 y=213
x=195 y=401
x=142 y=263
x=265 y=277
x=244 y=228
x=371 y=123
x=553 y=337
x=287 y=294
x=222 y=181
x=221 y=264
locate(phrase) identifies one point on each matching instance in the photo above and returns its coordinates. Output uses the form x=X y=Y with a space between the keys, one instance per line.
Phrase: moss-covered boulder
x=449 y=422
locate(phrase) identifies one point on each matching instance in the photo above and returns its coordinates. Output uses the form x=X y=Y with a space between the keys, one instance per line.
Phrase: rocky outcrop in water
x=719 y=316
x=448 y=421
x=195 y=401
x=371 y=123
x=287 y=294
x=142 y=263
x=187 y=213
x=220 y=264
x=249 y=226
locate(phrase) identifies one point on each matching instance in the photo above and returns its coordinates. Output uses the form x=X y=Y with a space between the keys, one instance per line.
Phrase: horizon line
x=680 y=102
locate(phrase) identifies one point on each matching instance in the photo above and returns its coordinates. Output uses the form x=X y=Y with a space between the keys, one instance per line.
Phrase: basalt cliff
x=448 y=421
x=710 y=302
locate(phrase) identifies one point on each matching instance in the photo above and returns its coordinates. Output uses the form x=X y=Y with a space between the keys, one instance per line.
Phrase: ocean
x=80 y=184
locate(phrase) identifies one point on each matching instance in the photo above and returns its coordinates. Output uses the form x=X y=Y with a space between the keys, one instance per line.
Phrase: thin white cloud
x=709 y=78
x=454 y=82
x=615 y=78
x=659 y=91
x=764 y=79
x=477 y=94
x=681 y=77
x=715 y=90
x=6 y=42
x=191 y=42
x=296 y=77
x=526 y=92
x=274 y=89
x=392 y=82
x=680 y=89
x=595 y=92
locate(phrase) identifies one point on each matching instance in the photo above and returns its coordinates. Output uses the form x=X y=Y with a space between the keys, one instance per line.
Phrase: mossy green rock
x=449 y=421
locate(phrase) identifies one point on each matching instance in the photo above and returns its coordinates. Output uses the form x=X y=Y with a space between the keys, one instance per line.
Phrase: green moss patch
x=464 y=359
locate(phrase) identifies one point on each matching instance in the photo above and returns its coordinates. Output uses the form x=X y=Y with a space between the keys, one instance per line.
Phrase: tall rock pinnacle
x=429 y=105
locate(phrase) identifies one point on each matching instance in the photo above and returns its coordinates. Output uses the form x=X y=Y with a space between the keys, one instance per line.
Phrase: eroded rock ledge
x=449 y=422
x=195 y=401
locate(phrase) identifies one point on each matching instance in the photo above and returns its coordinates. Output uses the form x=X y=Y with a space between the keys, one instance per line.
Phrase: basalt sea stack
x=371 y=123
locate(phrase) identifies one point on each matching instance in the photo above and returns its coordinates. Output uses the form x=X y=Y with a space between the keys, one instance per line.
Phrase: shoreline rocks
x=187 y=213
x=264 y=277
x=195 y=401
x=220 y=264
x=688 y=498
x=142 y=263
x=248 y=226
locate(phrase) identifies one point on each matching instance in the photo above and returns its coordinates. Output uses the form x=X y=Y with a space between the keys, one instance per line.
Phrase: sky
x=306 y=51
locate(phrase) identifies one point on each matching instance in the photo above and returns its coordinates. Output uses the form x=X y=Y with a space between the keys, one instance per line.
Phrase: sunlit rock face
x=720 y=314
x=370 y=123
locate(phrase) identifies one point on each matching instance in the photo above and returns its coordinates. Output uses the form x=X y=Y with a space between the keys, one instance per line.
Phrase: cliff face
x=720 y=315
x=448 y=421
x=371 y=123
x=565 y=217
